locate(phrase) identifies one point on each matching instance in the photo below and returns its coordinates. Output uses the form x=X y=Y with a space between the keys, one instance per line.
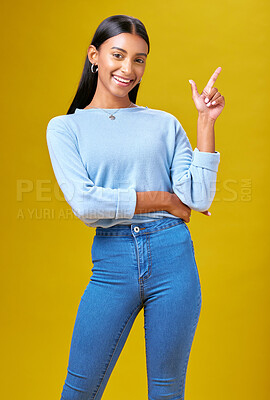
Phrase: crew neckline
x=109 y=109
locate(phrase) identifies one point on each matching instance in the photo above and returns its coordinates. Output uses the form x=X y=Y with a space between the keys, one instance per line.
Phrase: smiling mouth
x=122 y=82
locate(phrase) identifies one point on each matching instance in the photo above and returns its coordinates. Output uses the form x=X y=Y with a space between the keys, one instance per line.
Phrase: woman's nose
x=126 y=66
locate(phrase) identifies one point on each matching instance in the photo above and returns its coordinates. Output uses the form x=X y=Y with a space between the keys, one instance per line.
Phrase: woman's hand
x=204 y=101
x=179 y=209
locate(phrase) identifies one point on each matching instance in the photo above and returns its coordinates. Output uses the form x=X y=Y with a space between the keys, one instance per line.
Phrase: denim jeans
x=149 y=265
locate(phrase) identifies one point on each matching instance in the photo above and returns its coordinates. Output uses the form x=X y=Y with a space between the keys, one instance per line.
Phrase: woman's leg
x=172 y=303
x=107 y=310
x=147 y=264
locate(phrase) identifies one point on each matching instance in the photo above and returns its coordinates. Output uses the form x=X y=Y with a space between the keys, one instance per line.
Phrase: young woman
x=130 y=172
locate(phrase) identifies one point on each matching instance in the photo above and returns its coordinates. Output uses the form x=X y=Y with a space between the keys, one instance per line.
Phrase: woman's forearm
x=205 y=134
x=151 y=201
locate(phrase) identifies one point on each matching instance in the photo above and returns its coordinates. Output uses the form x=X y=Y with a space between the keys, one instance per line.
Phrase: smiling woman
x=111 y=78
x=130 y=172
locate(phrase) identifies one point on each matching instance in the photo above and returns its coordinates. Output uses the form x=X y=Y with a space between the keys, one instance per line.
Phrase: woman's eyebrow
x=119 y=48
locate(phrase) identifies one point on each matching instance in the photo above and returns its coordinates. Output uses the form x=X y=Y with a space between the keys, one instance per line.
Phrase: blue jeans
x=148 y=265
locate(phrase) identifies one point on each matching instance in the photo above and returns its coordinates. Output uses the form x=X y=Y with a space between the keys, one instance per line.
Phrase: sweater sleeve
x=88 y=201
x=193 y=173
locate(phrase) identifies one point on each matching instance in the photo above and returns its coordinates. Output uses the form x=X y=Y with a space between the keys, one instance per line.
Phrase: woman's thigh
x=172 y=303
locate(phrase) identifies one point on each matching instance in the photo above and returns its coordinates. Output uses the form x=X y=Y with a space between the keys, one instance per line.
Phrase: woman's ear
x=92 y=54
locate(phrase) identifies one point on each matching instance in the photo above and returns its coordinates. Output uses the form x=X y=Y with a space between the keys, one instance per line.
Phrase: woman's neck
x=96 y=105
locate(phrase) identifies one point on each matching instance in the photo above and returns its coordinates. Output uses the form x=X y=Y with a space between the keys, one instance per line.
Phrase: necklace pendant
x=111 y=117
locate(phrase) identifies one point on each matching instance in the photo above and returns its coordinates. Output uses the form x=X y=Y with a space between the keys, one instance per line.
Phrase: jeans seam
x=183 y=381
x=162 y=229
x=194 y=260
x=149 y=257
x=139 y=270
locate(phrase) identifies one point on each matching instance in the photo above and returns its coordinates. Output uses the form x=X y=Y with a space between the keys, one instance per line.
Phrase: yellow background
x=46 y=257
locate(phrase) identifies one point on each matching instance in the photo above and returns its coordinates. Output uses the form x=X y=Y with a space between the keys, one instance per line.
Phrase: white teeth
x=121 y=80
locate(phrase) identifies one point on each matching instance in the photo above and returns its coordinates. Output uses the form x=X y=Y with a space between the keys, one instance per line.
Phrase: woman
x=130 y=172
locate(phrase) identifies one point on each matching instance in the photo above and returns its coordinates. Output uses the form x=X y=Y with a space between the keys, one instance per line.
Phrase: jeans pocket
x=193 y=251
x=95 y=249
x=192 y=245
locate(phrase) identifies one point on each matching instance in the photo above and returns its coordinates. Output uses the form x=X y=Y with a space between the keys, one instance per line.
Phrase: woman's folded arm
x=88 y=201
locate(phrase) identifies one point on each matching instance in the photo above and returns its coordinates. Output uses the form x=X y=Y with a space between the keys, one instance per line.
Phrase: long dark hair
x=108 y=28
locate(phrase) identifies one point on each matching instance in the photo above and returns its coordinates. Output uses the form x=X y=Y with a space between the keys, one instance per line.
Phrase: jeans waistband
x=139 y=228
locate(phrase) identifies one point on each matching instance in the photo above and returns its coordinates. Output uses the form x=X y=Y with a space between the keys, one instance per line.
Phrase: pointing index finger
x=212 y=80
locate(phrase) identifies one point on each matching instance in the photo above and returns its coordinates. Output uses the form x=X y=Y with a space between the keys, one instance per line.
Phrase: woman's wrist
x=205 y=133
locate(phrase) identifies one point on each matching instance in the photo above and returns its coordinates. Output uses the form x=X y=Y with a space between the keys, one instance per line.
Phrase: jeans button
x=136 y=229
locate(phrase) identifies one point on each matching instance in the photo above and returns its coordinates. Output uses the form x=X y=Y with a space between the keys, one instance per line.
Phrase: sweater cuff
x=126 y=203
x=205 y=159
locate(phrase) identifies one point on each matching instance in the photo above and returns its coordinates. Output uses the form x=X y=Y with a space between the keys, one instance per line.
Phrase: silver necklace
x=111 y=116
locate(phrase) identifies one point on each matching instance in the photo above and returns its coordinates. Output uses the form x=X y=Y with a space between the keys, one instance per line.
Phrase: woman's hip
x=148 y=255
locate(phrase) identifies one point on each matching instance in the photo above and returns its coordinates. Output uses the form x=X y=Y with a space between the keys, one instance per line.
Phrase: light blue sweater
x=101 y=163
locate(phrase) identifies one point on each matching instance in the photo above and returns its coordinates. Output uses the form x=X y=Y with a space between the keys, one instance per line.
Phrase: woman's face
x=122 y=56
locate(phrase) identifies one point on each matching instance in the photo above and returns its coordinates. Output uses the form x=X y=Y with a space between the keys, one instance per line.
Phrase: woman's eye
x=141 y=61
x=116 y=54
